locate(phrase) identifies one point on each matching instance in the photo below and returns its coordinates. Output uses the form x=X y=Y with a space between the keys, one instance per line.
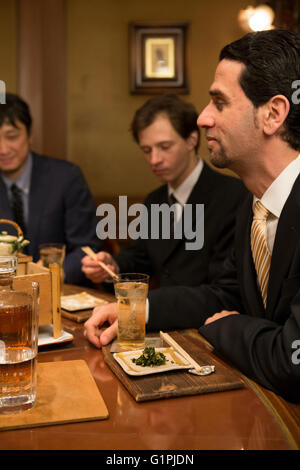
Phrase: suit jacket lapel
x=287 y=235
x=162 y=248
x=5 y=209
x=198 y=195
x=250 y=291
x=38 y=194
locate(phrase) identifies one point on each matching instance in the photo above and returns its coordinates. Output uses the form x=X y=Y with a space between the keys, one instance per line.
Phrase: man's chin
x=219 y=161
x=163 y=178
x=8 y=170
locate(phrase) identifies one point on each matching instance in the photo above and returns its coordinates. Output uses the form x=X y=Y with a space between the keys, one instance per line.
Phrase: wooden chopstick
x=88 y=251
x=167 y=338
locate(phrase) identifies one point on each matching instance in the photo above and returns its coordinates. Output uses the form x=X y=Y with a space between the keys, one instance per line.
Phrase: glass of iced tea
x=18 y=344
x=54 y=253
x=131 y=290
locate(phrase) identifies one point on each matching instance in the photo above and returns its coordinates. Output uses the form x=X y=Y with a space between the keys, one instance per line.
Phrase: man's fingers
x=109 y=333
x=93 y=335
x=96 y=330
x=101 y=336
x=217 y=316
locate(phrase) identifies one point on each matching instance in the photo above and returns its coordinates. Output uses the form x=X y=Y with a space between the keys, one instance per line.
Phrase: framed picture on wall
x=157 y=58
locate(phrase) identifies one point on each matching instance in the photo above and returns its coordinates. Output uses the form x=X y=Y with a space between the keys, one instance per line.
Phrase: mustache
x=210 y=136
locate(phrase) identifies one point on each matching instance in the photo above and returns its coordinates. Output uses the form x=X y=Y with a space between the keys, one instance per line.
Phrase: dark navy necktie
x=17 y=206
x=172 y=200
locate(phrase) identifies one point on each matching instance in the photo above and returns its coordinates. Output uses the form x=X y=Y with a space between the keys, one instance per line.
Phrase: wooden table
x=251 y=418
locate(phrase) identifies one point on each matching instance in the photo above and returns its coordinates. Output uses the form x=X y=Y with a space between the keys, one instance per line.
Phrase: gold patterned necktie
x=260 y=251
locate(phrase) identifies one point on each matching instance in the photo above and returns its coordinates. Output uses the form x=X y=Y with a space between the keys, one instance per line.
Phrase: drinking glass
x=18 y=341
x=54 y=253
x=131 y=290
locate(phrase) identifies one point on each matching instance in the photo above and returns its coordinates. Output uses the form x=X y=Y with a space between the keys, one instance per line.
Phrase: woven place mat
x=66 y=392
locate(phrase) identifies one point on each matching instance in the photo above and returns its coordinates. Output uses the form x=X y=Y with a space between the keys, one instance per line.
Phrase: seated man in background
x=48 y=198
x=165 y=128
x=251 y=313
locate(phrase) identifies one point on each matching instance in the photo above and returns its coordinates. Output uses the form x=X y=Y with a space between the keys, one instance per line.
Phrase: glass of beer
x=131 y=292
x=18 y=344
x=54 y=253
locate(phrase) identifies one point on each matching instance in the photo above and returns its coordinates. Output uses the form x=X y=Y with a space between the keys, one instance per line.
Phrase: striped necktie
x=17 y=206
x=260 y=251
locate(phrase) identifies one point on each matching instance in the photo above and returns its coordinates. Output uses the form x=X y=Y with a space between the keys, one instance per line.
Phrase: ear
x=192 y=140
x=30 y=138
x=275 y=113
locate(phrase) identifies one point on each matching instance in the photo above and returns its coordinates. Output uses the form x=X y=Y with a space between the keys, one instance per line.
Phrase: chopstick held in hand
x=88 y=251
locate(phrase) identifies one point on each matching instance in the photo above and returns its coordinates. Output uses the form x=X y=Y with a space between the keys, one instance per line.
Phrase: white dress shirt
x=183 y=191
x=276 y=196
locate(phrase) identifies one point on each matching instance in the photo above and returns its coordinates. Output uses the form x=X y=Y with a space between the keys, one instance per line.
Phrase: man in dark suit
x=251 y=313
x=54 y=203
x=165 y=128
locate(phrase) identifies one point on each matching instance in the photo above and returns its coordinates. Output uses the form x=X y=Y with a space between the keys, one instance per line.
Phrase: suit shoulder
x=54 y=162
x=227 y=181
x=57 y=167
x=157 y=195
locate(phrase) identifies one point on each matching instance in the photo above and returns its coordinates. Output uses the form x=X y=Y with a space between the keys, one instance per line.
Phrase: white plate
x=46 y=336
x=81 y=301
x=174 y=361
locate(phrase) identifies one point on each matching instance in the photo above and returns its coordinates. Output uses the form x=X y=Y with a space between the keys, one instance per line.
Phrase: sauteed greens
x=150 y=358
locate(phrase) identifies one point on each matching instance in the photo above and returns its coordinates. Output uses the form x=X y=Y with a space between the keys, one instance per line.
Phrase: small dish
x=81 y=301
x=46 y=336
x=174 y=361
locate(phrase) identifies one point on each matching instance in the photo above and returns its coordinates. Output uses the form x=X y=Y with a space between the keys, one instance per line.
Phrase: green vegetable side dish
x=150 y=358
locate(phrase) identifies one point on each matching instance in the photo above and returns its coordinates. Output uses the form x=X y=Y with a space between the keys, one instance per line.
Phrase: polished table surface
x=251 y=418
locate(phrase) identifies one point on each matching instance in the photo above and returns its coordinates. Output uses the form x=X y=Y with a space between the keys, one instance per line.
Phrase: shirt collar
x=184 y=190
x=23 y=182
x=277 y=193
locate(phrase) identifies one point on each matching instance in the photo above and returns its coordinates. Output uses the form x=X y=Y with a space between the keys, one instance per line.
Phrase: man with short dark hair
x=251 y=313
x=47 y=197
x=166 y=130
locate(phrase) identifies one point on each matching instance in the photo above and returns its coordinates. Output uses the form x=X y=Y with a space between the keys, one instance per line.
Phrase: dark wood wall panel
x=42 y=71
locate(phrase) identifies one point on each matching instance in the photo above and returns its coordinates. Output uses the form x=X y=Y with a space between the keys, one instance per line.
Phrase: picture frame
x=158 y=58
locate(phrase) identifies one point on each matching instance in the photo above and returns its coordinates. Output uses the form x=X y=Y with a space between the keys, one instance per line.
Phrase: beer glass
x=54 y=253
x=18 y=341
x=131 y=292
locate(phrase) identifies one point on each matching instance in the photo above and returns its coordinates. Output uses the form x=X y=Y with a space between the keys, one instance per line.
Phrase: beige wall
x=8 y=44
x=99 y=105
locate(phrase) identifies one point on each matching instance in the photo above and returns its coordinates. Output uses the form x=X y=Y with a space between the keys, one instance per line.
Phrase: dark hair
x=183 y=116
x=272 y=64
x=14 y=110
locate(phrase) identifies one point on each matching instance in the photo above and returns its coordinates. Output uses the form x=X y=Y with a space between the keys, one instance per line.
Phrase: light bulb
x=256 y=19
x=262 y=18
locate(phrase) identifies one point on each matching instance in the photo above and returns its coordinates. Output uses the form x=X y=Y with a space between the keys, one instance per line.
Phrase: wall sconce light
x=256 y=19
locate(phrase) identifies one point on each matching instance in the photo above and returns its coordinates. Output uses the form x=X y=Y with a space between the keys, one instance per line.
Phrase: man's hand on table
x=217 y=316
x=102 y=327
x=93 y=271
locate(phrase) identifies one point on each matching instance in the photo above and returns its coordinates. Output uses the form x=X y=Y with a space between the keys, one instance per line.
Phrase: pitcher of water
x=18 y=340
